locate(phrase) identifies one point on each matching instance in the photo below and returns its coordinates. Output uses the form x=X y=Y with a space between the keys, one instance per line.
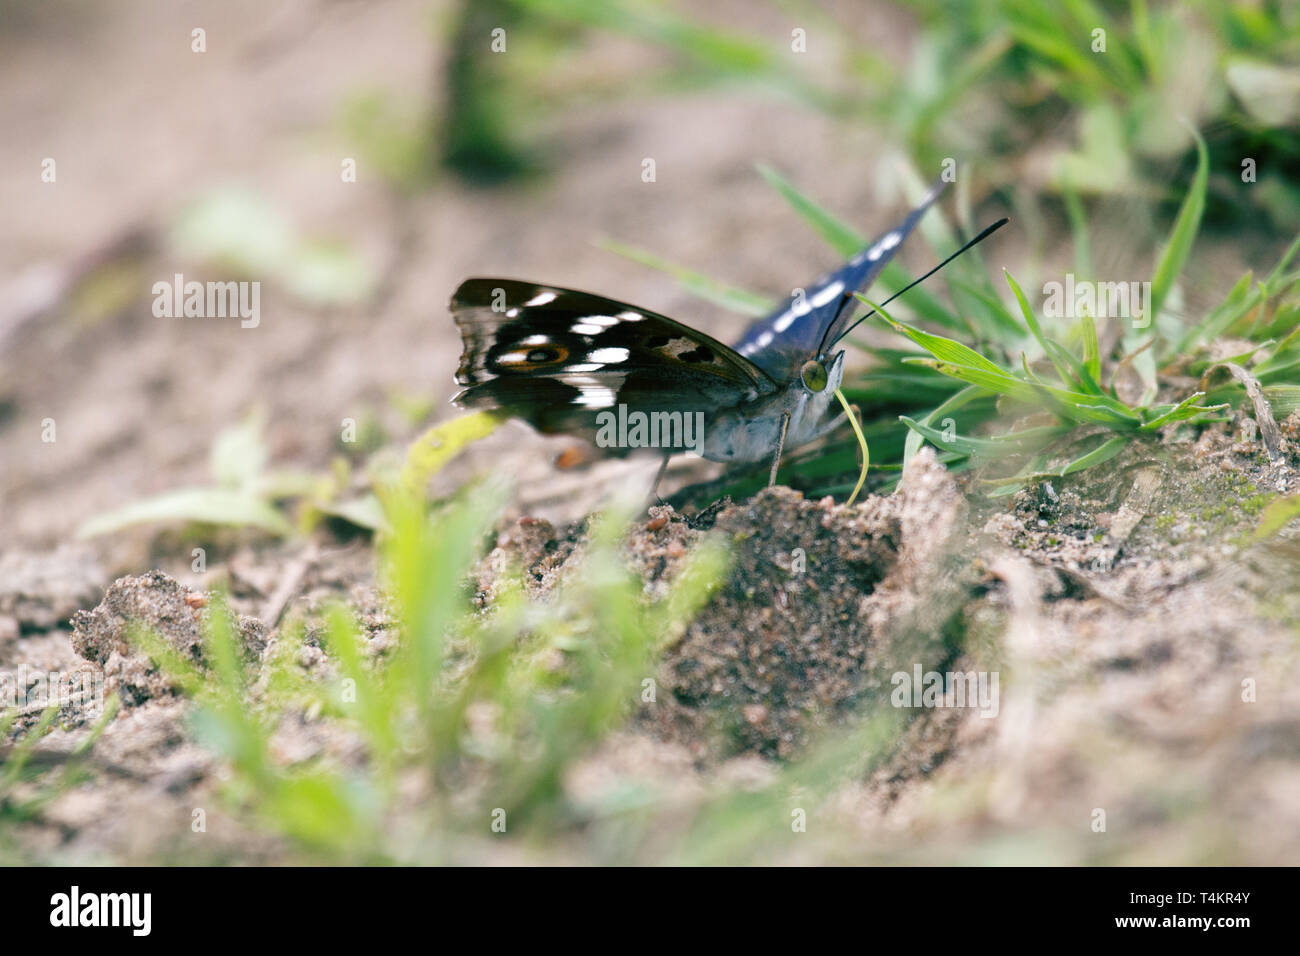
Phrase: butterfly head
x=822 y=374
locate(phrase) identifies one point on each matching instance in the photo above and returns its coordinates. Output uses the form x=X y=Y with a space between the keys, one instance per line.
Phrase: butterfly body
x=571 y=362
x=750 y=432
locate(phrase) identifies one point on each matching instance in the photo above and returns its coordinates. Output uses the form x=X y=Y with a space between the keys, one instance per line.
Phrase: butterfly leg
x=659 y=476
x=780 y=444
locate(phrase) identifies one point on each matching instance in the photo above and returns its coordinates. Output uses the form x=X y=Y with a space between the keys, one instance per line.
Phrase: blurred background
x=215 y=139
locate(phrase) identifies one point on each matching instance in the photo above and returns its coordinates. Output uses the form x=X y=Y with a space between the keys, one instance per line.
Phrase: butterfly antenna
x=988 y=231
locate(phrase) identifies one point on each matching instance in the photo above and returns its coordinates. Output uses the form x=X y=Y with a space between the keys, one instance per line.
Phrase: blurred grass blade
x=1091 y=353
x=1002 y=446
x=1279 y=513
x=728 y=297
x=219 y=506
x=430 y=453
x=841 y=237
x=1183 y=234
x=1239 y=301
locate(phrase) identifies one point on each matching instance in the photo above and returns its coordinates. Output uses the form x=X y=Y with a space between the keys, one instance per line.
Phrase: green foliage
x=1279 y=513
x=236 y=229
x=1004 y=374
x=28 y=785
x=479 y=133
x=1101 y=91
x=243 y=494
x=246 y=494
x=1120 y=78
x=477 y=710
x=390 y=138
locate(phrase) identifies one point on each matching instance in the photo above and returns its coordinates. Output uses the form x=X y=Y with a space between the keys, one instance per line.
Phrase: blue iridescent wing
x=780 y=343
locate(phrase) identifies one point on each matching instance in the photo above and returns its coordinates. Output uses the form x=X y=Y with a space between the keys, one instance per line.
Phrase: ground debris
x=165 y=607
x=42 y=590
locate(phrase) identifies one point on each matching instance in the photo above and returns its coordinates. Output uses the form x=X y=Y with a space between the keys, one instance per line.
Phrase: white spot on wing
x=886 y=243
x=600 y=319
x=586 y=367
x=783 y=322
x=631 y=316
x=608 y=355
x=582 y=328
x=595 y=396
x=828 y=294
x=541 y=299
x=534 y=340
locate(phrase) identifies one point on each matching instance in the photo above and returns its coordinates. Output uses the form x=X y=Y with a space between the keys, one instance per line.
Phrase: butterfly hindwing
x=556 y=357
x=782 y=341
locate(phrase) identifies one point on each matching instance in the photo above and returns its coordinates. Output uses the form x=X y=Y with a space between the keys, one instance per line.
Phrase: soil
x=1146 y=644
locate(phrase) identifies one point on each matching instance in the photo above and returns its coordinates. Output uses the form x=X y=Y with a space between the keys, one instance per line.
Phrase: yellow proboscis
x=862 y=441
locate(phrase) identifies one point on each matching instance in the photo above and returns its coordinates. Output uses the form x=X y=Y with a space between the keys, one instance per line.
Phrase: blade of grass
x=1066 y=364
x=1188 y=222
x=841 y=237
x=1099 y=455
x=1001 y=446
x=718 y=293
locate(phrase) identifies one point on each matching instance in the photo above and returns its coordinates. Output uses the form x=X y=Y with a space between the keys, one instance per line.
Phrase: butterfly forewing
x=557 y=356
x=781 y=342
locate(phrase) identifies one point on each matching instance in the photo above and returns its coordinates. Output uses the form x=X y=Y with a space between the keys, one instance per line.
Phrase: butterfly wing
x=556 y=357
x=781 y=342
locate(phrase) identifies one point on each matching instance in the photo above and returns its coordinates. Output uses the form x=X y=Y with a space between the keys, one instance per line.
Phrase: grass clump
x=1029 y=403
x=479 y=712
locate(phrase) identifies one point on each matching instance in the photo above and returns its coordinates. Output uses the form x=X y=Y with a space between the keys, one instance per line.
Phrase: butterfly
x=576 y=363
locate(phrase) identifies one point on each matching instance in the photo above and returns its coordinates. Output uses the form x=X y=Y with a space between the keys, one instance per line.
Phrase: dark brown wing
x=556 y=357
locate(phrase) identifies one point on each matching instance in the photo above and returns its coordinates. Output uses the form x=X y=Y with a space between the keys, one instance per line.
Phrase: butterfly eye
x=813 y=375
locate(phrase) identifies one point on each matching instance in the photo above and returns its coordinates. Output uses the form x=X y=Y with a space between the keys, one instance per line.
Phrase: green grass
x=29 y=785
x=481 y=710
x=477 y=711
x=1027 y=401
x=985 y=79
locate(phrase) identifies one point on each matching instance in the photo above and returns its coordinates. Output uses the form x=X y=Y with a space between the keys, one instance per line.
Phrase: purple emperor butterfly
x=574 y=363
